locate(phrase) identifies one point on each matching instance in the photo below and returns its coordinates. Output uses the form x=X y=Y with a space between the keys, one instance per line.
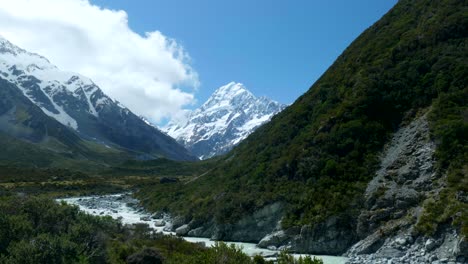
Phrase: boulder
x=159 y=222
x=197 y=232
x=145 y=218
x=158 y=215
x=275 y=239
x=390 y=253
x=368 y=245
x=177 y=221
x=182 y=230
x=168 y=228
x=406 y=197
x=430 y=244
x=401 y=241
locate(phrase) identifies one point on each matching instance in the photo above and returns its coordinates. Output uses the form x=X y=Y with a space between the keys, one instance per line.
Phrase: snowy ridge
x=224 y=120
x=46 y=85
x=78 y=103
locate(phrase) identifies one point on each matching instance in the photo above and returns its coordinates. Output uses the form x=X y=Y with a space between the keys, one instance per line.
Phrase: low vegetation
x=449 y=119
x=39 y=230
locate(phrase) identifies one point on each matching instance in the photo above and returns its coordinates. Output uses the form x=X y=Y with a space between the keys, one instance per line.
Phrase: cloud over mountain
x=150 y=74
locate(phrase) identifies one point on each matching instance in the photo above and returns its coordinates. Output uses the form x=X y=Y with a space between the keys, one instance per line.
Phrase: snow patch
x=224 y=120
x=16 y=63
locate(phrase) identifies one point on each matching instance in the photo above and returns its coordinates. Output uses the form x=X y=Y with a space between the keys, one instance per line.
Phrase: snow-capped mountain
x=225 y=119
x=79 y=104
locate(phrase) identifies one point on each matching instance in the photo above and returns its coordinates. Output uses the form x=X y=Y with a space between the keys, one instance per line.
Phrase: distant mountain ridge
x=224 y=120
x=79 y=104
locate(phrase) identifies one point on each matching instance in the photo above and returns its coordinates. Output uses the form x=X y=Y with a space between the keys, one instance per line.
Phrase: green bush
x=285 y=258
x=38 y=230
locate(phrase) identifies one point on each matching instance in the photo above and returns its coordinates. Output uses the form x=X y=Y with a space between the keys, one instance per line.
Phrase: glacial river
x=118 y=206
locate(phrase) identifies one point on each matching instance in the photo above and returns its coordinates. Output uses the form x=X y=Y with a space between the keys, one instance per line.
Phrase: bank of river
x=123 y=207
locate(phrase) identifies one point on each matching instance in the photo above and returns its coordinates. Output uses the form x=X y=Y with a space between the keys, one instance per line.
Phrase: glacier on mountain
x=224 y=120
x=31 y=72
x=78 y=103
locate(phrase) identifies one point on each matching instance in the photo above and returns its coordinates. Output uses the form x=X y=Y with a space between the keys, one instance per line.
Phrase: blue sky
x=276 y=48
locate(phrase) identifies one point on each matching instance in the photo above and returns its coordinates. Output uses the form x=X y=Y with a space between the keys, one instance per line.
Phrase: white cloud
x=149 y=74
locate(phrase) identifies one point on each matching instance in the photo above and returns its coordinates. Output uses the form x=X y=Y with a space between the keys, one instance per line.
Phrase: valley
x=369 y=165
x=125 y=208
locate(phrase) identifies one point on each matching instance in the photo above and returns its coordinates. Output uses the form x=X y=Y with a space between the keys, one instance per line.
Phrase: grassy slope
x=319 y=154
x=160 y=167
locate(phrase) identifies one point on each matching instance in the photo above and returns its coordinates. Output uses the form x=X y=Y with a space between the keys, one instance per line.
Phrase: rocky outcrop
x=405 y=178
x=385 y=228
x=182 y=230
x=393 y=204
x=159 y=222
x=331 y=237
x=406 y=248
x=275 y=240
x=251 y=228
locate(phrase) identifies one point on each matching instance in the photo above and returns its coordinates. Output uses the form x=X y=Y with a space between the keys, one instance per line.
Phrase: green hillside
x=318 y=155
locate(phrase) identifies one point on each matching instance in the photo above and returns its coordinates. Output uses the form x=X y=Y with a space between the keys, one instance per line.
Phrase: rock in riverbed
x=182 y=230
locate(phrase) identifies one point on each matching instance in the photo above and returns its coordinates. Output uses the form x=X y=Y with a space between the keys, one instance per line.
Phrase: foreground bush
x=38 y=230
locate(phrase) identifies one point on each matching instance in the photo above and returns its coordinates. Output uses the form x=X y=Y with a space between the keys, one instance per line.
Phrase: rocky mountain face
x=80 y=105
x=21 y=119
x=386 y=227
x=393 y=203
x=224 y=120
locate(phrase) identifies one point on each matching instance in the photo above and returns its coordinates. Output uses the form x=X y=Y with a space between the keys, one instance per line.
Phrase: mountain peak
x=226 y=118
x=7 y=47
x=228 y=96
x=14 y=55
x=231 y=91
x=231 y=88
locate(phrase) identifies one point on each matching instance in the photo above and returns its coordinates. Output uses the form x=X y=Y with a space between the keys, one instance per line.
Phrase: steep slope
x=224 y=120
x=31 y=138
x=317 y=157
x=76 y=102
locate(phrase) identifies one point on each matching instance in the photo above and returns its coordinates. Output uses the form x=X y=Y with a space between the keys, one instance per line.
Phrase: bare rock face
x=406 y=174
x=182 y=230
x=251 y=228
x=159 y=222
x=275 y=239
x=331 y=237
x=393 y=203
